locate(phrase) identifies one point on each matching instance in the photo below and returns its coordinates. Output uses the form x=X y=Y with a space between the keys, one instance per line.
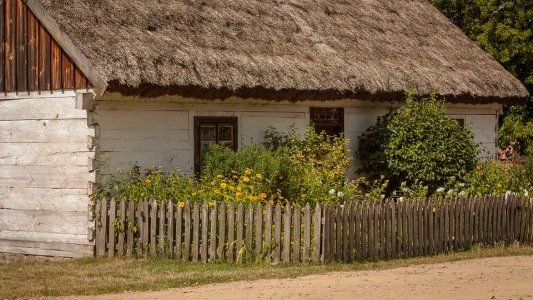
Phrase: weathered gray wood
x=240 y=229
x=269 y=242
x=221 y=231
x=405 y=229
x=153 y=227
x=297 y=230
x=230 y=253
x=170 y=228
x=446 y=227
x=195 y=232
x=130 y=224
x=399 y=230
x=139 y=216
x=490 y=214
x=249 y=231
x=385 y=210
x=371 y=231
x=187 y=232
x=205 y=229
x=338 y=233
x=162 y=222
x=277 y=234
x=364 y=231
x=306 y=254
x=179 y=233
x=431 y=227
x=345 y=232
x=333 y=232
x=482 y=220
x=146 y=228
x=357 y=231
x=317 y=233
x=415 y=236
x=99 y=228
x=213 y=233
x=258 y=229
x=287 y=216
x=112 y=220
x=393 y=229
x=351 y=232
x=326 y=232
x=122 y=233
x=530 y=221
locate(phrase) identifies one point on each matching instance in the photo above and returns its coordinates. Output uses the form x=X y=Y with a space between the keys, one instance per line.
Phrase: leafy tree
x=417 y=143
x=504 y=29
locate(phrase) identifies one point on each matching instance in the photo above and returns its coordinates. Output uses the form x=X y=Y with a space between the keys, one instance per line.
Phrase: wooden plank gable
x=32 y=60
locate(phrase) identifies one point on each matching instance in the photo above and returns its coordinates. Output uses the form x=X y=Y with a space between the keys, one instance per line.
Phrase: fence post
x=213 y=234
x=317 y=226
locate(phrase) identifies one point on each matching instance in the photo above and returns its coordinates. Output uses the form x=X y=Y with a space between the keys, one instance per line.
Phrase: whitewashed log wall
x=160 y=131
x=44 y=175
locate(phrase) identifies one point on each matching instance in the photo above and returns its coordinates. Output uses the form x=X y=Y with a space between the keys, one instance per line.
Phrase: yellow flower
x=217 y=191
x=211 y=203
x=223 y=185
x=220 y=176
x=262 y=196
x=259 y=176
x=231 y=188
x=245 y=179
x=182 y=204
x=238 y=194
x=239 y=188
x=248 y=171
x=147 y=181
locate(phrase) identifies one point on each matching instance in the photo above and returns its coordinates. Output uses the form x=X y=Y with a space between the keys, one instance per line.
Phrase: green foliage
x=496 y=178
x=419 y=144
x=504 y=29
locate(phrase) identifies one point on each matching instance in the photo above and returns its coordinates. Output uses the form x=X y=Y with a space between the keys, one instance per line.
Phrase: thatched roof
x=282 y=48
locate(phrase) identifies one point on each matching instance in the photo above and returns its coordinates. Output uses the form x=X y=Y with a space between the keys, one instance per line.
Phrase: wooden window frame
x=340 y=122
x=198 y=121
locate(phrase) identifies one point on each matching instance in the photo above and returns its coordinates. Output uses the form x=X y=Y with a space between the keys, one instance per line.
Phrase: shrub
x=419 y=144
x=496 y=178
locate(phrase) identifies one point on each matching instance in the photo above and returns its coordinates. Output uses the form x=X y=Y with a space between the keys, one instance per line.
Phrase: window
x=209 y=130
x=461 y=123
x=330 y=120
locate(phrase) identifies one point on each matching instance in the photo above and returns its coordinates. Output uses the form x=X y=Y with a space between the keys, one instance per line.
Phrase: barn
x=89 y=88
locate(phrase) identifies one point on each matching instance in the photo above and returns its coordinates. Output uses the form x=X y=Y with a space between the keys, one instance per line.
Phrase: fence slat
x=364 y=231
x=146 y=227
x=338 y=232
x=100 y=228
x=317 y=225
x=170 y=228
x=277 y=234
x=128 y=227
x=111 y=236
x=179 y=233
x=381 y=231
x=139 y=224
x=410 y=228
x=213 y=233
x=405 y=229
x=372 y=232
x=415 y=236
x=153 y=227
x=230 y=253
x=249 y=230
x=297 y=232
x=187 y=232
x=139 y=216
x=326 y=232
x=161 y=214
x=307 y=234
x=195 y=232
x=286 y=252
x=259 y=229
x=221 y=231
x=344 y=235
x=393 y=229
x=268 y=232
x=205 y=229
x=358 y=232
x=351 y=232
x=122 y=233
x=240 y=233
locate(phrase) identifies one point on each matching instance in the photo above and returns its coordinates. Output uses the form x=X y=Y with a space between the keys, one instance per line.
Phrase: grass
x=101 y=276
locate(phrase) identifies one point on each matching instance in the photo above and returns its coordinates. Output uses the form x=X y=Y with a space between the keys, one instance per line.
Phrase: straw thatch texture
x=282 y=48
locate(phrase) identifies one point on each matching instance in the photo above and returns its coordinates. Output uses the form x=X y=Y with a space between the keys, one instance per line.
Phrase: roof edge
x=81 y=61
x=295 y=95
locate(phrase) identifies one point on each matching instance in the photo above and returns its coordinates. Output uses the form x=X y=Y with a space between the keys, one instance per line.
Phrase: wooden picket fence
x=346 y=232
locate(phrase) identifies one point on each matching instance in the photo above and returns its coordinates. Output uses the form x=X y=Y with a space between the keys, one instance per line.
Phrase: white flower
x=441 y=190
x=332 y=192
x=526 y=193
x=340 y=194
x=382 y=197
x=462 y=193
x=450 y=191
x=401 y=199
x=461 y=184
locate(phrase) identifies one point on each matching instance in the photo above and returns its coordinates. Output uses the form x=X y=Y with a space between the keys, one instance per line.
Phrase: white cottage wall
x=160 y=131
x=44 y=175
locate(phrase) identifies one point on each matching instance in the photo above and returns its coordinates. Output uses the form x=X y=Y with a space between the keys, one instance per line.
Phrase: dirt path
x=491 y=278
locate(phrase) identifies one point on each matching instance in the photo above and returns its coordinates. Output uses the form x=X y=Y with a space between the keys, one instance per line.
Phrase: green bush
x=419 y=144
x=496 y=178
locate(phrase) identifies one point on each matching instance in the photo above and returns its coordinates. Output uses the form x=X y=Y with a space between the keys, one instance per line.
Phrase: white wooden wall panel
x=44 y=159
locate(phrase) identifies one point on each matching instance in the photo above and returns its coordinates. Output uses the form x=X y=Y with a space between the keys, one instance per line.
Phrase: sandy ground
x=491 y=278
